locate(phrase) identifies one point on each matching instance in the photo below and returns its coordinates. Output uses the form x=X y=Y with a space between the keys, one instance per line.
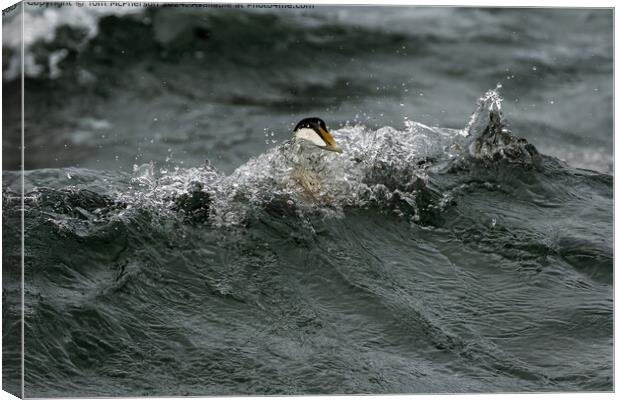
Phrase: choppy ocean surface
x=462 y=242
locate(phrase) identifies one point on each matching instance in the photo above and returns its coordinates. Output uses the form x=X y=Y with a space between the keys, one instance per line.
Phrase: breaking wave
x=475 y=216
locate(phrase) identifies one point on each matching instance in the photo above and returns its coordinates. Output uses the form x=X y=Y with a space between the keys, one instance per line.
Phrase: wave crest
x=492 y=139
x=387 y=169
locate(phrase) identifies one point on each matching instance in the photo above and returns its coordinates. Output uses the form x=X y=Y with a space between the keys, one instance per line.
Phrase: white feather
x=311 y=136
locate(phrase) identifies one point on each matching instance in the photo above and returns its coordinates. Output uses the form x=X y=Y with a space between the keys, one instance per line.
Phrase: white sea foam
x=40 y=24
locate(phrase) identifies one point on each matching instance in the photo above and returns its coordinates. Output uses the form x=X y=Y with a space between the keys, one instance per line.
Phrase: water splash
x=490 y=137
x=388 y=169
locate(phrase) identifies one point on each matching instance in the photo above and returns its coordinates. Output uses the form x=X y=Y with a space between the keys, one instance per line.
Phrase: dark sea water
x=462 y=242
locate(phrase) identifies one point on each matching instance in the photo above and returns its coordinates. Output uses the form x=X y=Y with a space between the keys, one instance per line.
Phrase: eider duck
x=310 y=137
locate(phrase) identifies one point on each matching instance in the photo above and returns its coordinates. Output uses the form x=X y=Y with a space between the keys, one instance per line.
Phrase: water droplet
x=534 y=68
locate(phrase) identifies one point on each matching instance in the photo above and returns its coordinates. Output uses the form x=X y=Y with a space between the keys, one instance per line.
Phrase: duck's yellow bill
x=329 y=139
